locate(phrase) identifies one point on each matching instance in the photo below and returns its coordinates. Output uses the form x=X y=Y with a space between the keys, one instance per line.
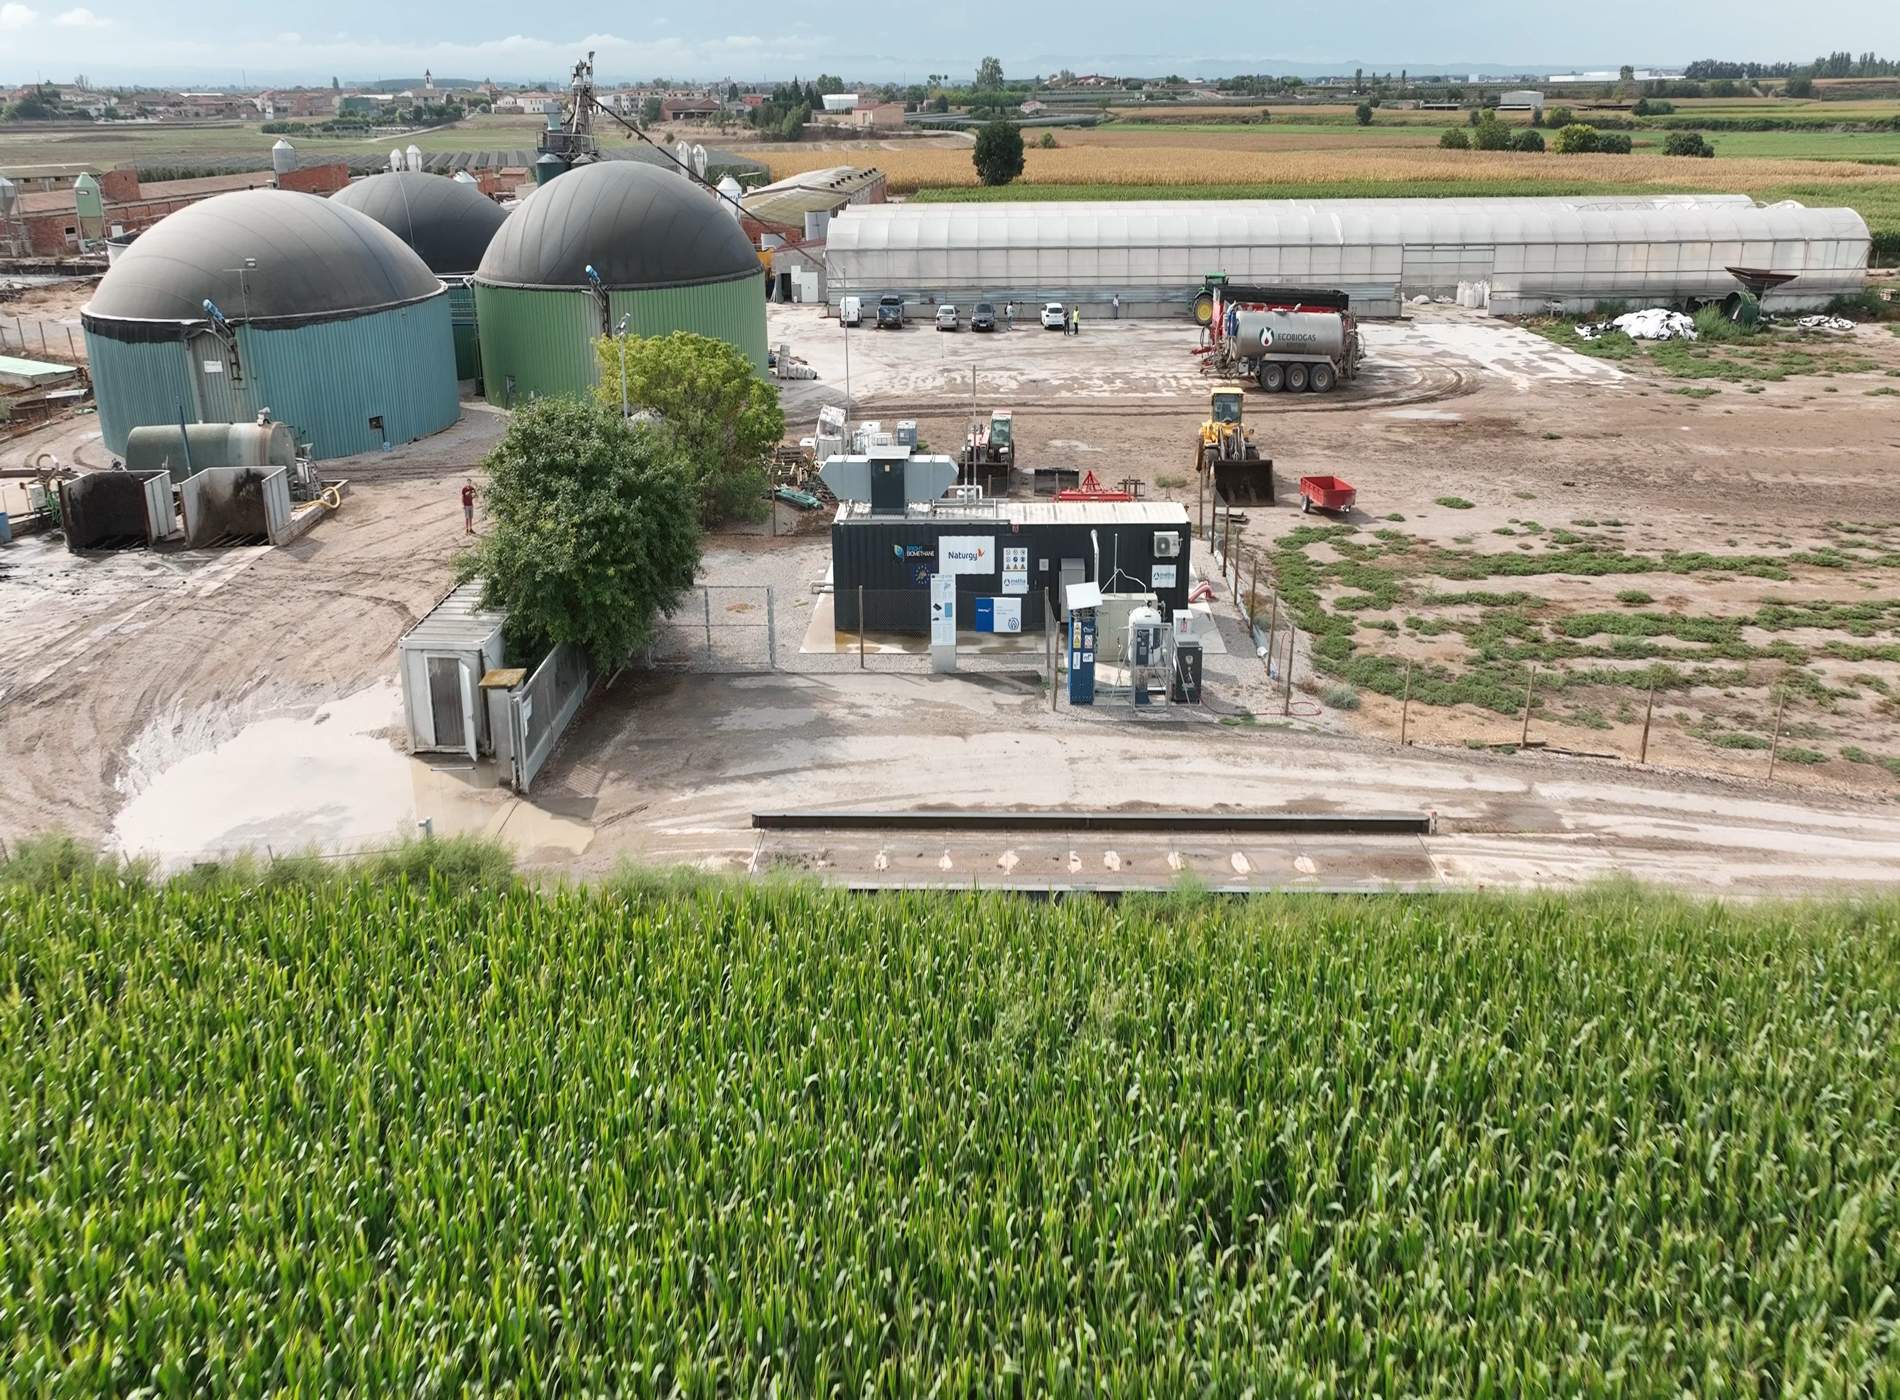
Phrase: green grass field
x=290 y=1130
x=22 y=145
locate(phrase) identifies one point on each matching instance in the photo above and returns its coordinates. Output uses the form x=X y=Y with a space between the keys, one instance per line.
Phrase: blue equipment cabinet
x=1082 y=656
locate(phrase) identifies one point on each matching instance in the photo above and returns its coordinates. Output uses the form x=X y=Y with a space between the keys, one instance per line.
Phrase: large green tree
x=593 y=529
x=725 y=419
x=989 y=75
x=998 y=156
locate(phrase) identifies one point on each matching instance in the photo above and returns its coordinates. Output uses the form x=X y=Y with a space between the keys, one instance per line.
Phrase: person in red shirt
x=468 y=507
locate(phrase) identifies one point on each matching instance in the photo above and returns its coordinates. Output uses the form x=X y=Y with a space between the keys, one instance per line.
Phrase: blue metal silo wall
x=328 y=379
x=543 y=338
x=139 y=384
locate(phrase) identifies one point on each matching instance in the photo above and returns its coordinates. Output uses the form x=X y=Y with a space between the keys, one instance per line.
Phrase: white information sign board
x=966 y=554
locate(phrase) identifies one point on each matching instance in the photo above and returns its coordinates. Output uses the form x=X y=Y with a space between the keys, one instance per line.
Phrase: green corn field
x=400 y=1137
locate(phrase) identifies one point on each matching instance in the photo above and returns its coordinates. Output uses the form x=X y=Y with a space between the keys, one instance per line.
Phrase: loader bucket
x=1247 y=483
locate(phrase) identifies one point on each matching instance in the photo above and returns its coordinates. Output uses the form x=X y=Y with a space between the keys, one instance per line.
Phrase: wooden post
x=1049 y=622
x=1529 y=686
x=1253 y=590
x=1774 y=744
x=771 y=632
x=1648 y=710
x=1286 y=694
x=1273 y=626
x=860 y=627
x=1405 y=704
x=706 y=593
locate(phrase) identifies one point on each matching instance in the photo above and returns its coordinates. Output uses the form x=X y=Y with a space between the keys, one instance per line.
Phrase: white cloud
x=16 y=16
x=81 y=18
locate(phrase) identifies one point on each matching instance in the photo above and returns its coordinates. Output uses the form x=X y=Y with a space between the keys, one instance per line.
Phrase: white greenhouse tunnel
x=1514 y=256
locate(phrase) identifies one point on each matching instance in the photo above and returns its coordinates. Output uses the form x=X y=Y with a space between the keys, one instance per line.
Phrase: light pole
x=845 y=326
x=620 y=346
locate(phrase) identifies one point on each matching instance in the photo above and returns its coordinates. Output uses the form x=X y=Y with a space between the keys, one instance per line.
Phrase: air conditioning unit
x=1167 y=545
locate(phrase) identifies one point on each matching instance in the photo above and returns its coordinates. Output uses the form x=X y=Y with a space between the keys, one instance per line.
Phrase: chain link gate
x=718 y=627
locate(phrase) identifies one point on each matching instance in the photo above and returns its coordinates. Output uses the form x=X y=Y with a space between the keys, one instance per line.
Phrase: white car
x=1054 y=316
x=947 y=318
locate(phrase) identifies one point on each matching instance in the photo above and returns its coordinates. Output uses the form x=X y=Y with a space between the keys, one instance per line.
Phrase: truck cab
x=890 y=313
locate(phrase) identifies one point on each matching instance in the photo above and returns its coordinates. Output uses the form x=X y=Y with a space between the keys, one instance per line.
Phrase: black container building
x=1024 y=550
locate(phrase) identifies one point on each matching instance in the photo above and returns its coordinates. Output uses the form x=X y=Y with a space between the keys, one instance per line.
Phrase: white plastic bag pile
x=1825 y=323
x=1657 y=323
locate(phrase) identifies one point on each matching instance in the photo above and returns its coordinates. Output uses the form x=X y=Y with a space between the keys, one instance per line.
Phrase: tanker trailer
x=1280 y=348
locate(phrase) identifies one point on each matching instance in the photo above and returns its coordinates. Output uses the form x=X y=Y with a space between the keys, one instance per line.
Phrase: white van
x=850 y=312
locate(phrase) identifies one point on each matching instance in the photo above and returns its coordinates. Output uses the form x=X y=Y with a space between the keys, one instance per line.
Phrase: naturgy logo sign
x=967 y=554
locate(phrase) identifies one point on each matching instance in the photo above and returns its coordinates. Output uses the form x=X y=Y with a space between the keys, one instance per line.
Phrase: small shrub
x=462 y=862
x=1739 y=740
x=50 y=861
x=1048 y=141
x=1854 y=753
x=1613 y=143
x=1687 y=143
x=1340 y=697
x=1490 y=134
x=1454 y=503
x=1577 y=139
x=1633 y=597
x=1454 y=139
x=1805 y=757
x=1528 y=140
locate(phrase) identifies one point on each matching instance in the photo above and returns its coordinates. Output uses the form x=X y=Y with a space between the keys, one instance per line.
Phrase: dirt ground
x=138 y=687
x=1457 y=405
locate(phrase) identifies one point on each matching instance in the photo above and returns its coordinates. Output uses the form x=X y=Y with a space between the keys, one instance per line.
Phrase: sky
x=269 y=41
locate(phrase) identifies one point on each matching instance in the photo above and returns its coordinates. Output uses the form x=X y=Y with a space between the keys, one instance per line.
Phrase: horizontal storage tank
x=449 y=223
x=268 y=300
x=666 y=257
x=1290 y=333
x=197 y=447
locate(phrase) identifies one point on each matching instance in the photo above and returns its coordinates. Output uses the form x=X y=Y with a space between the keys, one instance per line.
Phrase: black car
x=890 y=313
x=983 y=318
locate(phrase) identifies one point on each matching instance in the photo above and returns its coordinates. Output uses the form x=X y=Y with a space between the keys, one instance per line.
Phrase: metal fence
x=719 y=627
x=540 y=709
x=42 y=340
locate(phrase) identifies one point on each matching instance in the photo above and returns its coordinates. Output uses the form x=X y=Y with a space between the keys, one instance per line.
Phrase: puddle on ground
x=327 y=780
x=1423 y=415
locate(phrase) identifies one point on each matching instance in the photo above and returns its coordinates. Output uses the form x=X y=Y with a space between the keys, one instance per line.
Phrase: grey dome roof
x=448 y=224
x=315 y=259
x=639 y=225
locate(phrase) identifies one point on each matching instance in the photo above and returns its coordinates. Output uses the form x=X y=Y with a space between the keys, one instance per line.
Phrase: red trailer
x=1327 y=493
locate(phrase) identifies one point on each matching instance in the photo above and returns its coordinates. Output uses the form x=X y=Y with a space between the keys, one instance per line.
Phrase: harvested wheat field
x=1086 y=158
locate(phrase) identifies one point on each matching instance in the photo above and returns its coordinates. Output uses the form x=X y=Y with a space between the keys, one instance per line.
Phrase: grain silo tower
x=449 y=223
x=666 y=258
x=267 y=299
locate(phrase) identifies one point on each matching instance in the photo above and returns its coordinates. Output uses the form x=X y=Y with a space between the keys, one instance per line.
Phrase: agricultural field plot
x=1723 y=636
x=403 y=1132
x=1169 y=162
x=171 y=145
x=1120 y=163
